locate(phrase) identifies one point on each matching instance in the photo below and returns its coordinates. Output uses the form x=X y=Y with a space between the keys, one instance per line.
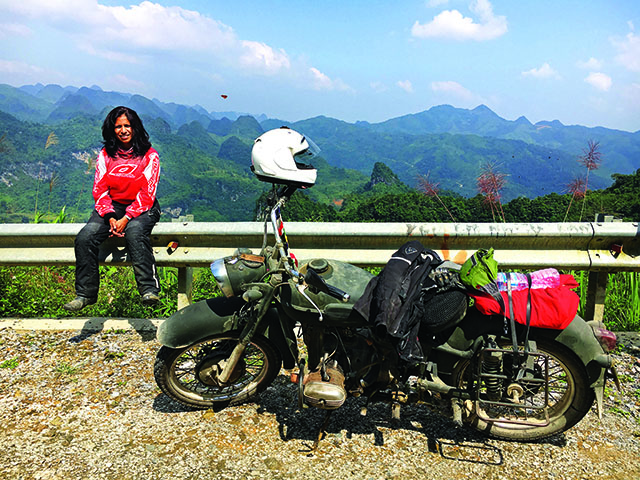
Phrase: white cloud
x=320 y=81
x=80 y=9
x=119 y=81
x=261 y=57
x=129 y=34
x=13 y=71
x=436 y=3
x=215 y=77
x=591 y=64
x=378 y=87
x=147 y=25
x=452 y=88
x=631 y=94
x=628 y=52
x=599 y=80
x=153 y=26
x=545 y=71
x=109 y=54
x=14 y=29
x=453 y=25
x=13 y=67
x=405 y=85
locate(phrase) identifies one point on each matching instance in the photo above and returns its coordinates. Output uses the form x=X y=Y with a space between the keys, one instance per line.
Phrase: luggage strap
x=512 y=316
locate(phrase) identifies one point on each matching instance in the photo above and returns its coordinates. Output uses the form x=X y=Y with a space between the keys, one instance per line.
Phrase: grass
x=622 y=306
x=109 y=355
x=619 y=411
x=66 y=369
x=10 y=363
x=622 y=303
x=40 y=292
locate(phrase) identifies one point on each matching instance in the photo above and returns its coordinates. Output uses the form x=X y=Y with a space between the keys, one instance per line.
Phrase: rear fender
x=578 y=337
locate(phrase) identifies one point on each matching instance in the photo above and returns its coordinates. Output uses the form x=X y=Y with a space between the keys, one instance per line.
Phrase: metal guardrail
x=595 y=247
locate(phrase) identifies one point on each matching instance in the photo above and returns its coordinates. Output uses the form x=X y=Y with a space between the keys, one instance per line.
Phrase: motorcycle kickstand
x=322 y=431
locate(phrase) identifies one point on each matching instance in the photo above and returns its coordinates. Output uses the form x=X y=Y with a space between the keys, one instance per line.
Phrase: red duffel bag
x=550 y=307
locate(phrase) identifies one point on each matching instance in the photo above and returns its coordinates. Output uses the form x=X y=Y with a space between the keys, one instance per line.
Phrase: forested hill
x=454 y=161
x=49 y=135
x=45 y=167
x=622 y=149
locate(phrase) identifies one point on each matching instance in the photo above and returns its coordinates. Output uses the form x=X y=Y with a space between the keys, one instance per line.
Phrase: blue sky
x=576 y=61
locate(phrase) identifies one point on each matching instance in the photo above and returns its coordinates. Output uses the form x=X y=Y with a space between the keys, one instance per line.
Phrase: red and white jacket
x=126 y=179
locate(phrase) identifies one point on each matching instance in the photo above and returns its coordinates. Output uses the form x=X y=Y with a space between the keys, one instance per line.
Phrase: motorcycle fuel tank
x=346 y=277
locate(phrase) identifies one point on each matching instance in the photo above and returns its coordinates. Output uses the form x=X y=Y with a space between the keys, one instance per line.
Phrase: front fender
x=215 y=315
x=197 y=321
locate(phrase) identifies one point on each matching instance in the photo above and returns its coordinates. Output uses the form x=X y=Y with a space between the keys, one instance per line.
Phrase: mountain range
x=205 y=155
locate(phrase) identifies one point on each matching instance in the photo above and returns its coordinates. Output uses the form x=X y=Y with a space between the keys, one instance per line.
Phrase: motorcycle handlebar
x=339 y=294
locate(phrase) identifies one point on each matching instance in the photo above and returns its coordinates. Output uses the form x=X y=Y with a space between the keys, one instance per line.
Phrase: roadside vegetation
x=40 y=292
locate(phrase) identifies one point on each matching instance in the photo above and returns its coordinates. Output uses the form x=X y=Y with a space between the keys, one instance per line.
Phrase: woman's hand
x=118 y=226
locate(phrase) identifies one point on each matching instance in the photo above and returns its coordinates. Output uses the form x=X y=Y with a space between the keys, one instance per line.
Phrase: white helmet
x=282 y=156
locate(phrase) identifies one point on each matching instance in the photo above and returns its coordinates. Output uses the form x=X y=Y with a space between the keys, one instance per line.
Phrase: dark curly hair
x=140 y=141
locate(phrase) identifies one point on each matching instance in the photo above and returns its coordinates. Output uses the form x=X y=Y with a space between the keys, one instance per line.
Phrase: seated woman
x=124 y=190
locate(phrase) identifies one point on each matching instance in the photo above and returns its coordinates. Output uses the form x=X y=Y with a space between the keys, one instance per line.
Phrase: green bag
x=480 y=270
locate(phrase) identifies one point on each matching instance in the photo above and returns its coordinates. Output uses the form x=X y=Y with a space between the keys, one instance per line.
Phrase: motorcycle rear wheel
x=570 y=398
x=189 y=375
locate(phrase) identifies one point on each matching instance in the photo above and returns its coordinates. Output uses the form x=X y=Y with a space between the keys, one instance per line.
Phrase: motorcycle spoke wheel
x=190 y=375
x=569 y=399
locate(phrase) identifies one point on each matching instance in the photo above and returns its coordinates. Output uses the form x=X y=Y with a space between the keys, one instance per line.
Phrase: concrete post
x=185 y=286
x=596 y=294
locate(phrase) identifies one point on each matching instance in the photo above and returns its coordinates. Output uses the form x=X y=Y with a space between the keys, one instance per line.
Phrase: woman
x=124 y=189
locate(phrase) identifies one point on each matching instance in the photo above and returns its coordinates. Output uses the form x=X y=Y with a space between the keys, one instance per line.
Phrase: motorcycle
x=505 y=380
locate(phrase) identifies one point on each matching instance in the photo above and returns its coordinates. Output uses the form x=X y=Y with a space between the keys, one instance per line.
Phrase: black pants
x=136 y=235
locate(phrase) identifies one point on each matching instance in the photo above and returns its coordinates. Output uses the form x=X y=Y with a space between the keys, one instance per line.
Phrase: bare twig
x=591 y=158
x=431 y=189
x=490 y=184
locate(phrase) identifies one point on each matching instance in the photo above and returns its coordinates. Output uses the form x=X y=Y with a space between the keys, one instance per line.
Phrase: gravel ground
x=84 y=405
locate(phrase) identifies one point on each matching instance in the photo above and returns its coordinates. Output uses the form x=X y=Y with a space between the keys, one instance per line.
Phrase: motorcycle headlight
x=219 y=271
x=231 y=273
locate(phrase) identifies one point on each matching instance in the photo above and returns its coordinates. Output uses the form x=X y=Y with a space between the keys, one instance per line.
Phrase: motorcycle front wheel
x=568 y=398
x=189 y=375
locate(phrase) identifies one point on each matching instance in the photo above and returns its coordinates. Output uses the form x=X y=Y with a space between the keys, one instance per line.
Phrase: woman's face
x=123 y=131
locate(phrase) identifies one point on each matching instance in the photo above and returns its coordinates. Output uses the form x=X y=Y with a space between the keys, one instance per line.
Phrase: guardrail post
x=185 y=286
x=596 y=293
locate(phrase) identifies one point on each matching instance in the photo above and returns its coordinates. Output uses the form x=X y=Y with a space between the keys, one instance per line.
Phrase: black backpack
x=391 y=301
